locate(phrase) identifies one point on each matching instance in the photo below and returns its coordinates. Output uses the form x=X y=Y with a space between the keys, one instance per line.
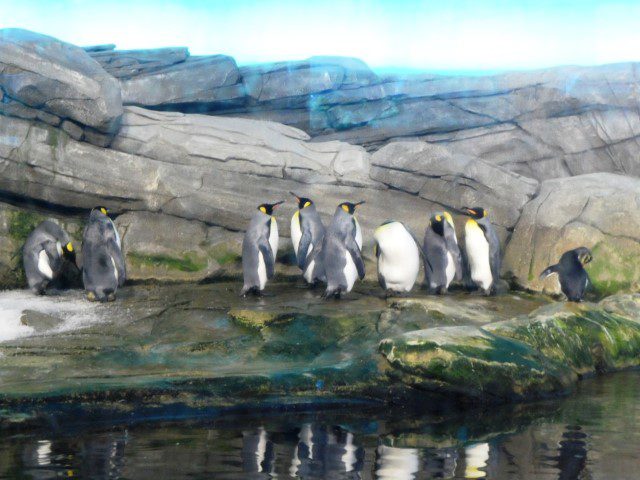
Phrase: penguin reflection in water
x=341 y=253
x=103 y=268
x=259 y=249
x=442 y=258
x=482 y=247
x=307 y=232
x=398 y=257
x=44 y=254
x=571 y=273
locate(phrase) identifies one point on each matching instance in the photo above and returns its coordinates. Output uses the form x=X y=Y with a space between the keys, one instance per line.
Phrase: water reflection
x=592 y=435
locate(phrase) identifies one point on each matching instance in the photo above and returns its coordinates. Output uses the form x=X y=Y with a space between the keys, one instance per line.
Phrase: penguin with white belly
x=259 y=249
x=307 y=232
x=341 y=252
x=482 y=247
x=398 y=257
x=103 y=267
x=44 y=254
x=442 y=259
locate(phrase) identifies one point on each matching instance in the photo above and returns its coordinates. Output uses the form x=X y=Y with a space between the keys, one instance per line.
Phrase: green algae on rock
x=526 y=357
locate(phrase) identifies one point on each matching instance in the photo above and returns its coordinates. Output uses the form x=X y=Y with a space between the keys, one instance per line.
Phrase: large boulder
x=166 y=248
x=599 y=211
x=532 y=356
x=197 y=80
x=453 y=180
x=61 y=79
x=129 y=63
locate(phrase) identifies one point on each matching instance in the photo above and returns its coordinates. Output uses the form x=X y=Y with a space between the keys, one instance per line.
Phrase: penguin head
x=102 y=210
x=267 y=208
x=475 y=212
x=584 y=255
x=349 y=207
x=437 y=223
x=303 y=202
x=69 y=253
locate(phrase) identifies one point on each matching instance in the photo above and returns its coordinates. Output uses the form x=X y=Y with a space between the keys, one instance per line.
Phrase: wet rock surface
x=202 y=343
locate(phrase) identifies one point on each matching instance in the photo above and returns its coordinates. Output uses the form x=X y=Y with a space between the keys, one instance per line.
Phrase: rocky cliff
x=183 y=148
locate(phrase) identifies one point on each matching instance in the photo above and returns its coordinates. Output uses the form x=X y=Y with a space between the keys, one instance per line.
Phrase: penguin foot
x=329 y=294
x=111 y=297
x=91 y=296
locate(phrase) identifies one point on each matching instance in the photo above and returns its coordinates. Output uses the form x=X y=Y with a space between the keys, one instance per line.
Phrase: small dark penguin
x=103 y=267
x=341 y=252
x=571 y=273
x=259 y=249
x=44 y=252
x=442 y=259
x=307 y=232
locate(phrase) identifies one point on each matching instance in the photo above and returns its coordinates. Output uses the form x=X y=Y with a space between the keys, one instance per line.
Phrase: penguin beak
x=277 y=203
x=468 y=211
x=297 y=197
x=359 y=203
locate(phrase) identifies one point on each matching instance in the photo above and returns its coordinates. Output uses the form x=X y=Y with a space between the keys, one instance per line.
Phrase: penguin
x=44 y=252
x=307 y=232
x=259 y=249
x=442 y=258
x=398 y=257
x=341 y=252
x=482 y=247
x=103 y=267
x=571 y=273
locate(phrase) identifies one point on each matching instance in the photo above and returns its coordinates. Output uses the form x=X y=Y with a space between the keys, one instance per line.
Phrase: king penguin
x=482 y=247
x=259 y=249
x=341 y=252
x=307 y=232
x=44 y=252
x=398 y=257
x=103 y=267
x=442 y=259
x=571 y=273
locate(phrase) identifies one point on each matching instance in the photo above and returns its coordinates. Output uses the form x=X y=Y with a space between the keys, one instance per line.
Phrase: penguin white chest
x=350 y=271
x=478 y=253
x=44 y=266
x=273 y=242
x=451 y=268
x=399 y=257
x=296 y=231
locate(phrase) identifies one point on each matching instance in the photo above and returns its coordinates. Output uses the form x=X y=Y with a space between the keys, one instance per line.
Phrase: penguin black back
x=571 y=273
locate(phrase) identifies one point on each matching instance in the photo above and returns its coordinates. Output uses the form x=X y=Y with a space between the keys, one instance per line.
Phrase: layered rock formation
x=499 y=141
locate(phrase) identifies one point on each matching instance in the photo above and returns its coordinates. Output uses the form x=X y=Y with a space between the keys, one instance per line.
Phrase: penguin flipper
x=356 y=256
x=303 y=248
x=267 y=254
x=113 y=250
x=549 y=271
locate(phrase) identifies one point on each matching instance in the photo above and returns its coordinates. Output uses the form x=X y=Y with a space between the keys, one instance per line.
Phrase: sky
x=443 y=35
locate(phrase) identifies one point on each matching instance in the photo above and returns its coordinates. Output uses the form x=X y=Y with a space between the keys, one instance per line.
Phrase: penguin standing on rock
x=46 y=249
x=398 y=257
x=103 y=267
x=571 y=273
x=442 y=259
x=259 y=249
x=307 y=232
x=341 y=252
x=482 y=247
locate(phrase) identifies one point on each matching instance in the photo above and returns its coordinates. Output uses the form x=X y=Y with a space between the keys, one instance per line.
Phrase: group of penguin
x=48 y=249
x=333 y=255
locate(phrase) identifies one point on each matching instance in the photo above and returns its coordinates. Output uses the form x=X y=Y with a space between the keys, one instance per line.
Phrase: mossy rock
x=523 y=358
x=256 y=319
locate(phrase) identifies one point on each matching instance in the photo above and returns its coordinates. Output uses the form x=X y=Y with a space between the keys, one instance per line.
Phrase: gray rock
x=453 y=180
x=166 y=248
x=598 y=211
x=129 y=63
x=61 y=79
x=74 y=130
x=198 y=79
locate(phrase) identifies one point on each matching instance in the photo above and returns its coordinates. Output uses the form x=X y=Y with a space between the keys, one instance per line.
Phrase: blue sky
x=439 y=35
